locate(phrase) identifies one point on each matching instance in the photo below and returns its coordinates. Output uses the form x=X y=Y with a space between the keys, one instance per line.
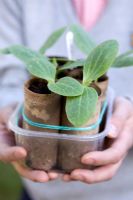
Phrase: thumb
x=121 y=112
x=9 y=154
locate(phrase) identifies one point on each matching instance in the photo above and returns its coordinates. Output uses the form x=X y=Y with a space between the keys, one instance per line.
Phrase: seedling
x=81 y=98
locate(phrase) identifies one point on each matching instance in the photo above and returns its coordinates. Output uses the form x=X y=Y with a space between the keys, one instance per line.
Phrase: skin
x=107 y=161
x=9 y=153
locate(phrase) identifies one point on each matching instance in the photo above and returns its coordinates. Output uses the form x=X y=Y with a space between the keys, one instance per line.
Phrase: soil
x=60 y=60
x=103 y=83
x=103 y=78
x=74 y=73
x=39 y=86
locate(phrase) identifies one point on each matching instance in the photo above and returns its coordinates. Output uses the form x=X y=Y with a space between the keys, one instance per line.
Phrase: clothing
x=29 y=23
x=89 y=11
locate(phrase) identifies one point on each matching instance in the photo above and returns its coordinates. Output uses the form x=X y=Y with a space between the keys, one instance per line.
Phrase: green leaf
x=54 y=61
x=99 y=61
x=59 y=59
x=72 y=65
x=36 y=64
x=124 y=60
x=82 y=39
x=4 y=51
x=66 y=86
x=127 y=53
x=81 y=108
x=52 y=39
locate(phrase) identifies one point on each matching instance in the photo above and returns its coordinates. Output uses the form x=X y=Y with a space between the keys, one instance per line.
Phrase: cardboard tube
x=42 y=108
x=70 y=151
x=103 y=83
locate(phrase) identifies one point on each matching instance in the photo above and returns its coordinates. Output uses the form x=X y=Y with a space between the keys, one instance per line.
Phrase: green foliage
x=72 y=65
x=81 y=108
x=10 y=183
x=54 y=61
x=124 y=60
x=52 y=39
x=99 y=61
x=4 y=51
x=66 y=86
x=82 y=39
x=36 y=64
x=81 y=98
x=127 y=53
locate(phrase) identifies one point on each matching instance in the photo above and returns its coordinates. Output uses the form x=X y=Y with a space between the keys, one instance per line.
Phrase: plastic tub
x=43 y=148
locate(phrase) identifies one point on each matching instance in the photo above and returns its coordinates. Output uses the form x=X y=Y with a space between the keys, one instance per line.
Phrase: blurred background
x=10 y=183
x=26 y=22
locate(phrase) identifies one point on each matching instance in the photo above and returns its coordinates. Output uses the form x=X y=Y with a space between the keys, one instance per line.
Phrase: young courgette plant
x=81 y=38
x=85 y=44
x=81 y=98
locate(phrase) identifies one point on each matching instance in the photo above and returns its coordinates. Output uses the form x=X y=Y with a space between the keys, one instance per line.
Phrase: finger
x=2 y=127
x=122 y=110
x=110 y=156
x=53 y=175
x=33 y=175
x=9 y=154
x=6 y=113
x=101 y=174
x=122 y=103
x=127 y=133
x=113 y=130
x=113 y=154
x=66 y=178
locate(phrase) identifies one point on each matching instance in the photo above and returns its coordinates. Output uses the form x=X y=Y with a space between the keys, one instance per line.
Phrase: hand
x=109 y=160
x=13 y=154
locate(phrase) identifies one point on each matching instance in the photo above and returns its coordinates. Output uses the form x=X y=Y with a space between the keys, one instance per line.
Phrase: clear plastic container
x=54 y=151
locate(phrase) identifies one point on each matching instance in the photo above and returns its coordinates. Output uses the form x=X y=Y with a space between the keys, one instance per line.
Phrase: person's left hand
x=109 y=160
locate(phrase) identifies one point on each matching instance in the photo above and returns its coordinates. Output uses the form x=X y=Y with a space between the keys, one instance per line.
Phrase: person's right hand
x=13 y=154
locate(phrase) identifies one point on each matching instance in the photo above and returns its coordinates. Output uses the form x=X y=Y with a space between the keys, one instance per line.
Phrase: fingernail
x=112 y=131
x=53 y=175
